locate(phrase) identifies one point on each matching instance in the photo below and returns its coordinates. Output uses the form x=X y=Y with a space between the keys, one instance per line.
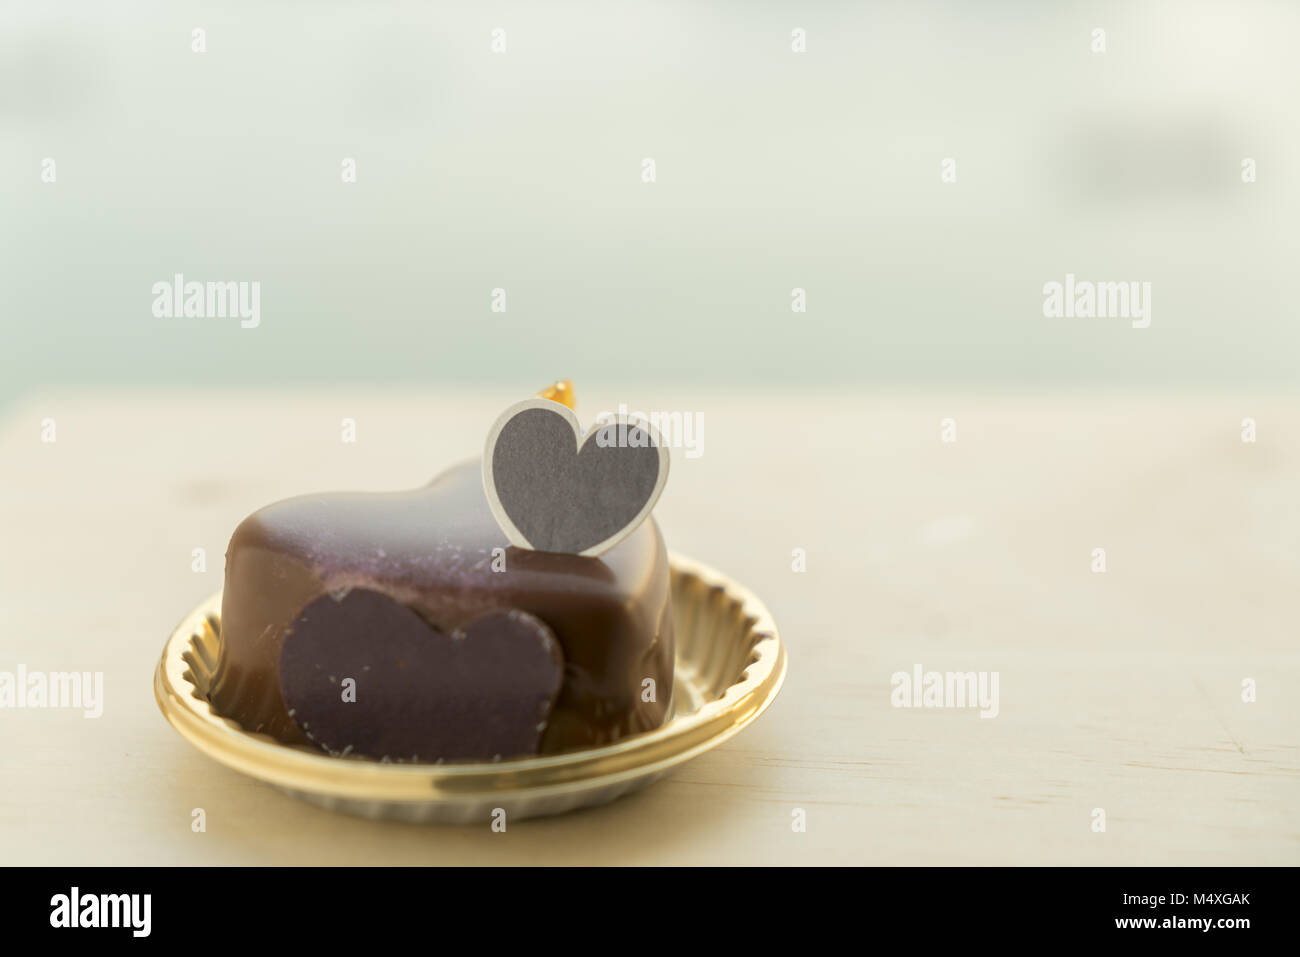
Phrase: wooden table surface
x=1119 y=690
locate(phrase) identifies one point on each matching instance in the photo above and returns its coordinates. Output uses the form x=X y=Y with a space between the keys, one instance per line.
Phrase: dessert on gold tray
x=512 y=610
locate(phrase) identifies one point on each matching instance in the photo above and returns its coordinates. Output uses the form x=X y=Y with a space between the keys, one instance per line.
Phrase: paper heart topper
x=553 y=490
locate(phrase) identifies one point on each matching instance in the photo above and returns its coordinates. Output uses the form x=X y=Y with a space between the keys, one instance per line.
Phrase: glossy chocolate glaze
x=431 y=550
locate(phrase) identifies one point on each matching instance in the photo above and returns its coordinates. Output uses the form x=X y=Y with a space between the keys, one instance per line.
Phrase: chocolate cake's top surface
x=442 y=534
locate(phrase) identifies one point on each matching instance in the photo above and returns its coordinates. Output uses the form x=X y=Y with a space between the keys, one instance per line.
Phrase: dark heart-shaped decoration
x=553 y=491
x=418 y=694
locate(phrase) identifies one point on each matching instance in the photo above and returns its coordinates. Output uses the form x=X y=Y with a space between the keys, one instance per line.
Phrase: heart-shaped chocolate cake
x=407 y=627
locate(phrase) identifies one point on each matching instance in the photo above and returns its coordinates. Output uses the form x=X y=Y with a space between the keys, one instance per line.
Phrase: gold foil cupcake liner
x=729 y=667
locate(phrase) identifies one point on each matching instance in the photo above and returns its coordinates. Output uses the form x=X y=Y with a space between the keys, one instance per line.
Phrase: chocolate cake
x=405 y=627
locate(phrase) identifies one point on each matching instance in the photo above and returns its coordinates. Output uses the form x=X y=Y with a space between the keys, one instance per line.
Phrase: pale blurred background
x=522 y=170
